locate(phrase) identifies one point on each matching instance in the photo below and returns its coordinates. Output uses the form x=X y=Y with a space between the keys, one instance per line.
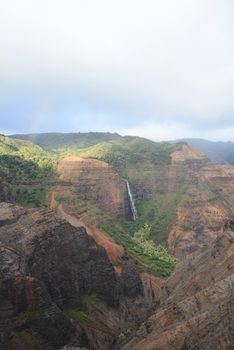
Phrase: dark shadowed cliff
x=58 y=287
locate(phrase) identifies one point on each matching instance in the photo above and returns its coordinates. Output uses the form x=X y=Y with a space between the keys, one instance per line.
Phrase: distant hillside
x=115 y=149
x=219 y=152
x=67 y=140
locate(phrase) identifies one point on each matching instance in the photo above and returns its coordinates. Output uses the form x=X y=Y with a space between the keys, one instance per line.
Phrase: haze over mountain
x=220 y=152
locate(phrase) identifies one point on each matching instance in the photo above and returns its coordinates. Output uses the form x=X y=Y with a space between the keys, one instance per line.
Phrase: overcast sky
x=162 y=69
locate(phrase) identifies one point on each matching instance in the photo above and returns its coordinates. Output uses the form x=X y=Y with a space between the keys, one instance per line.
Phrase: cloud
x=119 y=64
x=172 y=131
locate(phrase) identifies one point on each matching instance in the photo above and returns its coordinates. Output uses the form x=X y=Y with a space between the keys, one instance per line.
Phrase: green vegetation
x=112 y=148
x=26 y=151
x=28 y=340
x=27 y=171
x=160 y=214
x=134 y=236
x=69 y=141
x=124 y=336
x=32 y=197
x=92 y=300
x=78 y=315
x=130 y=150
x=162 y=263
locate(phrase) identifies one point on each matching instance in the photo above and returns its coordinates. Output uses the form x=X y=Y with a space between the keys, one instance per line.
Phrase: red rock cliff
x=97 y=182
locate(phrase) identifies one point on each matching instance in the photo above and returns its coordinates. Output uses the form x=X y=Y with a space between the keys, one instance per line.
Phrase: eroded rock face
x=207 y=203
x=97 y=182
x=58 y=287
x=114 y=251
x=46 y=267
x=29 y=319
x=197 y=303
x=132 y=285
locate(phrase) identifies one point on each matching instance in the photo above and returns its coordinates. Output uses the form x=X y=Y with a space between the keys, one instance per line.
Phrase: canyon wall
x=197 y=302
x=97 y=182
x=191 y=198
x=58 y=287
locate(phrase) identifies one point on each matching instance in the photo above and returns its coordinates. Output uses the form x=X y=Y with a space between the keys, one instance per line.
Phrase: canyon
x=203 y=193
x=75 y=276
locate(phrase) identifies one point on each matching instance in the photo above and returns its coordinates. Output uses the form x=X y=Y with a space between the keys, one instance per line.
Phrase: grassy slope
x=27 y=171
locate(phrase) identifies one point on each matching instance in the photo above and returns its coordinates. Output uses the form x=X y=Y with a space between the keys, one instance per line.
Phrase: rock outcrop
x=95 y=181
x=114 y=251
x=197 y=303
x=58 y=287
x=132 y=285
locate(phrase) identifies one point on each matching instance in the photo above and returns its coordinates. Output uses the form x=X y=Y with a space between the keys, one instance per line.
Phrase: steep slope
x=197 y=303
x=97 y=182
x=58 y=287
x=208 y=201
x=113 y=250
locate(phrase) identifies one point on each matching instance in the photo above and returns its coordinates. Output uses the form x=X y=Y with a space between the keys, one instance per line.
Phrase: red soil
x=114 y=250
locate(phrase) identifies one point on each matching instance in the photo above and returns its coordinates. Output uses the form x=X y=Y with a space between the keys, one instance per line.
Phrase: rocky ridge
x=58 y=287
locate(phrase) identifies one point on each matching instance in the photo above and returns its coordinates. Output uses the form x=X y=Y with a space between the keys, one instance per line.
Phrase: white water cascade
x=132 y=202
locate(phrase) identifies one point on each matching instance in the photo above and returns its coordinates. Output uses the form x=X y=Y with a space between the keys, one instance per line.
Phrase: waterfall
x=132 y=202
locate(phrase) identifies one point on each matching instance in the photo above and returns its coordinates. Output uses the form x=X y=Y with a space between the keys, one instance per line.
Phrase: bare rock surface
x=96 y=181
x=58 y=287
x=197 y=303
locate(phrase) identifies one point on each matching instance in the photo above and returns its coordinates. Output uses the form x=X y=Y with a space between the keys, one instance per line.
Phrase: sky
x=161 y=69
